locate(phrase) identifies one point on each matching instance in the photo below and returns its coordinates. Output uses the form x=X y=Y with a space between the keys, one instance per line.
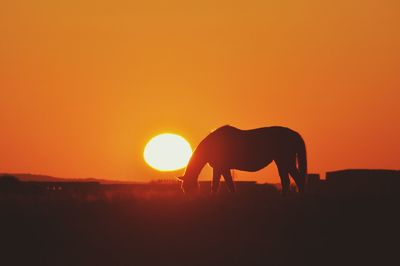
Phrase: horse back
x=229 y=136
x=232 y=146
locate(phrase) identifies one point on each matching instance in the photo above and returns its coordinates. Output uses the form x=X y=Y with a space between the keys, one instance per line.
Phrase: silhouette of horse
x=229 y=148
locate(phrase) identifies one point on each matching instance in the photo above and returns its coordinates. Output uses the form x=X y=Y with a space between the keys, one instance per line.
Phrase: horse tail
x=302 y=158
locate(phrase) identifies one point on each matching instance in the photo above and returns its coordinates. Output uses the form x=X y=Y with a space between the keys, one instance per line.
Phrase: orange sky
x=84 y=84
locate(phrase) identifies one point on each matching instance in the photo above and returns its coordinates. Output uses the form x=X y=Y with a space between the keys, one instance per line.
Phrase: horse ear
x=180 y=178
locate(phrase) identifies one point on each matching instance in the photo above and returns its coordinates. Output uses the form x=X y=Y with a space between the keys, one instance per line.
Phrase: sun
x=167 y=152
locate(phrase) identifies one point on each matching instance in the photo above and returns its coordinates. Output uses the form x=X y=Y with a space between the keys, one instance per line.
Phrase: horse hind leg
x=288 y=166
x=295 y=173
x=284 y=175
x=298 y=179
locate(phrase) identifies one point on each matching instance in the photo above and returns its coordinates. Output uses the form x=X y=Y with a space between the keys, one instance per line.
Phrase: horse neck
x=196 y=164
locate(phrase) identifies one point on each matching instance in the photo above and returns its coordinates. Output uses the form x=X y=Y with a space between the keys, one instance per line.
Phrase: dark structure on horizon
x=363 y=181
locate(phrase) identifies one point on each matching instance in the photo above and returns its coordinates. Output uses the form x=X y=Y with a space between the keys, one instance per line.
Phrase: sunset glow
x=167 y=152
x=85 y=83
x=176 y=132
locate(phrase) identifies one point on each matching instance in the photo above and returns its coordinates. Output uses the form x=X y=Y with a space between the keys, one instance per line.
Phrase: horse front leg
x=229 y=180
x=215 y=181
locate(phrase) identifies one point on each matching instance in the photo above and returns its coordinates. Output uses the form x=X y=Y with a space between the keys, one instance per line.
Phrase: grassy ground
x=168 y=228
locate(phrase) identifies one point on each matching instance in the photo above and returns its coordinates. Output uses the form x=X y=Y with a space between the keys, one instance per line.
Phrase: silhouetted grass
x=156 y=226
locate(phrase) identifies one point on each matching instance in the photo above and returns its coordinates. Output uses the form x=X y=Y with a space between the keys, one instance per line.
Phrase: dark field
x=117 y=225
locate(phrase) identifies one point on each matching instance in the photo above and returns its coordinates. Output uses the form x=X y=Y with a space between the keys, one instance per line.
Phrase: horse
x=229 y=148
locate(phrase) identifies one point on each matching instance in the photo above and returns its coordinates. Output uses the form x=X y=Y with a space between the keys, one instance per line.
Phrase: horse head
x=188 y=184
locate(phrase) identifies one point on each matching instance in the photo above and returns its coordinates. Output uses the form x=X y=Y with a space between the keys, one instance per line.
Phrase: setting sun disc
x=167 y=152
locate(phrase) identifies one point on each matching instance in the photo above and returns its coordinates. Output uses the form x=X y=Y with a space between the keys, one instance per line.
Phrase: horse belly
x=251 y=165
x=242 y=154
x=251 y=160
